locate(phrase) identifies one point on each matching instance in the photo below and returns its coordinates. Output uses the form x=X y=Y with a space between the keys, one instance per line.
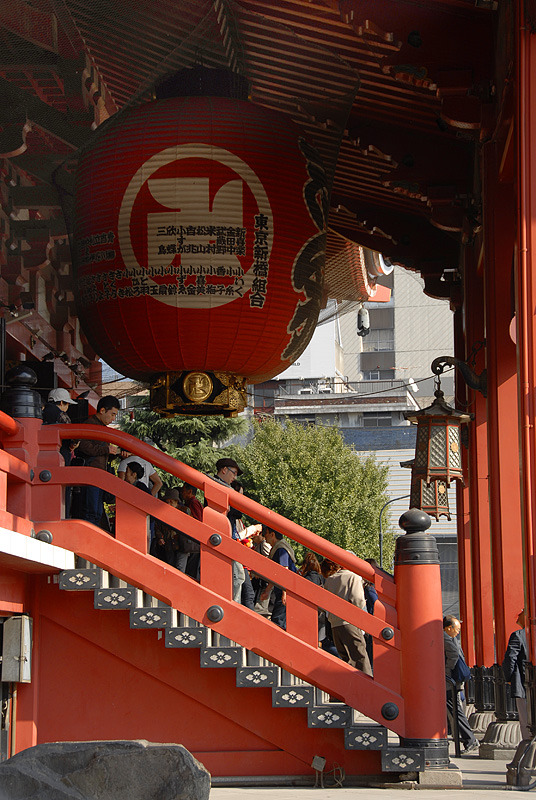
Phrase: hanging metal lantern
x=438 y=449
x=432 y=498
x=200 y=234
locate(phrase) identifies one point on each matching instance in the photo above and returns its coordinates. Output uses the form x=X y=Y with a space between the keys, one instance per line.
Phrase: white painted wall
x=423 y=331
x=320 y=358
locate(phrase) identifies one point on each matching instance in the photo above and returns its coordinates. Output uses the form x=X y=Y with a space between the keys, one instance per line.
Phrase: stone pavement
x=481 y=779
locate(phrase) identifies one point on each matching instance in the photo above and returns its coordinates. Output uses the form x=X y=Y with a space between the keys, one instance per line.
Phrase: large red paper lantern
x=200 y=246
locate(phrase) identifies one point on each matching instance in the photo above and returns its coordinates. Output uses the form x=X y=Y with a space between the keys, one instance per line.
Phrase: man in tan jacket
x=349 y=640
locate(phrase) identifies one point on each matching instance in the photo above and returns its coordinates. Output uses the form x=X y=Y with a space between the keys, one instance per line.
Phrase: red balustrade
x=31 y=460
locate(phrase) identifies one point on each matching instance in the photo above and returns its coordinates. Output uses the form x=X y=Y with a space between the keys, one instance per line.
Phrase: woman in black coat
x=310 y=570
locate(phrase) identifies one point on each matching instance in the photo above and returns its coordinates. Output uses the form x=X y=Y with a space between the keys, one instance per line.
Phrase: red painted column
x=420 y=615
x=503 y=424
x=526 y=303
x=216 y=570
x=23 y=446
x=463 y=516
x=476 y=524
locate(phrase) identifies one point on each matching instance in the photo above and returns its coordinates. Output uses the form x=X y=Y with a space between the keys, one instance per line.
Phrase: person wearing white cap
x=55 y=412
x=61 y=398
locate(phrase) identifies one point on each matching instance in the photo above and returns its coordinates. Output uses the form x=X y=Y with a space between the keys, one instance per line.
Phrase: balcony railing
x=407 y=618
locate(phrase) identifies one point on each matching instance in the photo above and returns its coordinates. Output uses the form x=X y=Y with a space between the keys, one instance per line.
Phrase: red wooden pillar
x=526 y=302
x=418 y=605
x=216 y=570
x=23 y=445
x=463 y=511
x=475 y=522
x=503 y=440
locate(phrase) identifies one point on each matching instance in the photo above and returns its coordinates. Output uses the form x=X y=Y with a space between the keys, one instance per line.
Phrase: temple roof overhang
x=397 y=96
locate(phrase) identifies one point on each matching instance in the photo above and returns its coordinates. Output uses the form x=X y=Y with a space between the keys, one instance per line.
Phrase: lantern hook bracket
x=475 y=381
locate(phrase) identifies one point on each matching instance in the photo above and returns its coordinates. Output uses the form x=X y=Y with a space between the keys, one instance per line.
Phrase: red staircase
x=96 y=676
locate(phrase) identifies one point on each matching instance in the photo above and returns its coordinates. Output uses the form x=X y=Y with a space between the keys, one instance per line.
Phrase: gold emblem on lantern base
x=197 y=386
x=197 y=393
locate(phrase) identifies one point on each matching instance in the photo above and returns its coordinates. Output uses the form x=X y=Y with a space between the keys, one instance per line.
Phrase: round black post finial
x=20 y=400
x=417 y=546
x=414 y=521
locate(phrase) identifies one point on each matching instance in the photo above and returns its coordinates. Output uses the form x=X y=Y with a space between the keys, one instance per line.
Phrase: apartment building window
x=377 y=419
x=377 y=340
x=304 y=420
x=378 y=375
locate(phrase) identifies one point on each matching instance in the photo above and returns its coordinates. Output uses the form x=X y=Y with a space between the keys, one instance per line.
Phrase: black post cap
x=20 y=400
x=417 y=546
x=414 y=520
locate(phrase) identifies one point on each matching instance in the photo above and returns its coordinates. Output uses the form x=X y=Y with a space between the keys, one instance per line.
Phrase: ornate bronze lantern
x=438 y=449
x=432 y=498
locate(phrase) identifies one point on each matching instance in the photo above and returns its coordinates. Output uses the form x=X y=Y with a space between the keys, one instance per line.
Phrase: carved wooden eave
x=397 y=97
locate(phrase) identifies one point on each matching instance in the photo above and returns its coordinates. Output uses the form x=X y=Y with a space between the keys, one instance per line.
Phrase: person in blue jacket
x=513 y=667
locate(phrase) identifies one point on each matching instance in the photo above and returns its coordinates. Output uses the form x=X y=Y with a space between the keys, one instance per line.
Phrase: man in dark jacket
x=514 y=671
x=227 y=470
x=95 y=454
x=282 y=553
x=453 y=651
x=170 y=544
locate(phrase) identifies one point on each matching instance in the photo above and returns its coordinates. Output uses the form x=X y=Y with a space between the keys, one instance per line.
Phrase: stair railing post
x=22 y=403
x=216 y=569
x=420 y=621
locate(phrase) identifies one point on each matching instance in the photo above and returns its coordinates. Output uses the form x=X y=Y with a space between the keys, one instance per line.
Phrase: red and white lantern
x=200 y=240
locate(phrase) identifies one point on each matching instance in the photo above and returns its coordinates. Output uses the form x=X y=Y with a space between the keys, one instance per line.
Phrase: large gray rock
x=131 y=770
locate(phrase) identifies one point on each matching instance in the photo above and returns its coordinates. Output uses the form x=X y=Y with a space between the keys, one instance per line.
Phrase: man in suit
x=453 y=650
x=513 y=667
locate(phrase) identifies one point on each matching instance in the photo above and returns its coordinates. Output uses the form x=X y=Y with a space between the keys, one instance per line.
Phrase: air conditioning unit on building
x=307 y=390
x=325 y=389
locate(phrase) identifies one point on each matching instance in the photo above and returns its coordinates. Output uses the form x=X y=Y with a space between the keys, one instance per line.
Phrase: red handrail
x=384 y=584
x=8 y=425
x=294 y=653
x=126 y=557
x=229 y=549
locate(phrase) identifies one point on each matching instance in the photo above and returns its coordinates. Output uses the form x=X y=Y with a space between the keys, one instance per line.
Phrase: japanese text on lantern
x=259 y=286
x=189 y=277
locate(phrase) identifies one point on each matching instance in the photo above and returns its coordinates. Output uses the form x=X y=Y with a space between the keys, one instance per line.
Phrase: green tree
x=197 y=441
x=309 y=475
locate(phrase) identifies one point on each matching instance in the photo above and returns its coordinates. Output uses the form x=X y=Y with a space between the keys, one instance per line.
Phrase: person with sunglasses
x=227 y=471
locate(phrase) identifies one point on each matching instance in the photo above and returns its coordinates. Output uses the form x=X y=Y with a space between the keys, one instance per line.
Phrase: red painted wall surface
x=13 y=591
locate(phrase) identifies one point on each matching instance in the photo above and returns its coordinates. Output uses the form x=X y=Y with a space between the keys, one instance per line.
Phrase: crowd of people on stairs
x=181 y=551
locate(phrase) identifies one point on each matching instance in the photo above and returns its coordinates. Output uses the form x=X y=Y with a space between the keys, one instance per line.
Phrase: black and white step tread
x=217 y=651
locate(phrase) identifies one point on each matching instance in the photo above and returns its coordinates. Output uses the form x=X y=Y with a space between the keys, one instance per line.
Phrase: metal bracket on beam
x=474 y=381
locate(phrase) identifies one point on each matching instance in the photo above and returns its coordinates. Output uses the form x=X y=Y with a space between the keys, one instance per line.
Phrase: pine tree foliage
x=311 y=476
x=197 y=441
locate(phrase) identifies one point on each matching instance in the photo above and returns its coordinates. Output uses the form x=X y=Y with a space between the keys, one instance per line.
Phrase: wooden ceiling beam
x=35 y=197
x=410 y=238
x=43 y=115
x=29 y=23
